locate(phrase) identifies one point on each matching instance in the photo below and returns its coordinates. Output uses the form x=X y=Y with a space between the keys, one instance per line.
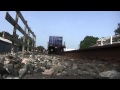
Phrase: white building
x=68 y=49
x=108 y=40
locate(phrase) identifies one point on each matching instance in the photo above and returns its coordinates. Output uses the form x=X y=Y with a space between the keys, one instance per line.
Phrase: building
x=68 y=49
x=108 y=40
x=6 y=35
x=6 y=43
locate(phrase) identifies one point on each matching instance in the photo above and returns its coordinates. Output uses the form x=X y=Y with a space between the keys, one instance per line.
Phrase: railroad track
x=107 y=52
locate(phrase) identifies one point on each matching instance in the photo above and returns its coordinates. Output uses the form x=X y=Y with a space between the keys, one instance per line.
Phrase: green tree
x=0 y=34
x=117 y=31
x=26 y=40
x=40 y=48
x=16 y=36
x=88 y=41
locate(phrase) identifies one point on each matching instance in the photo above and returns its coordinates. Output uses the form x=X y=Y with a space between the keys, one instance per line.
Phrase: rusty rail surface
x=107 y=52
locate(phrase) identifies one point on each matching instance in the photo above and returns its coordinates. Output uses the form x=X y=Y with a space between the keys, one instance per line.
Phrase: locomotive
x=55 y=45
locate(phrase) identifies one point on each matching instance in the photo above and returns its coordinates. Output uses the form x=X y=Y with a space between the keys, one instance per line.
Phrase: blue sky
x=72 y=25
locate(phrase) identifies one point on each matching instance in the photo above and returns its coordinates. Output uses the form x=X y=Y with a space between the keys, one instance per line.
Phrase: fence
x=25 y=32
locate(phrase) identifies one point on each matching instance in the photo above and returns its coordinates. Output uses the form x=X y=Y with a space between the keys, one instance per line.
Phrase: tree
x=40 y=48
x=117 y=31
x=88 y=41
x=26 y=40
x=0 y=34
x=17 y=36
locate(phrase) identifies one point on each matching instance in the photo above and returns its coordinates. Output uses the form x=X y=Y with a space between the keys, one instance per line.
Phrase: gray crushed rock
x=38 y=66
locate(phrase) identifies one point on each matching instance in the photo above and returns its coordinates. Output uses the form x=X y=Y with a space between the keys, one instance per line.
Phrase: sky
x=73 y=26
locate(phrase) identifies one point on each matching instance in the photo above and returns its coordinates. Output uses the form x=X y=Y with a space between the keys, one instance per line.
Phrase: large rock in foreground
x=110 y=74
